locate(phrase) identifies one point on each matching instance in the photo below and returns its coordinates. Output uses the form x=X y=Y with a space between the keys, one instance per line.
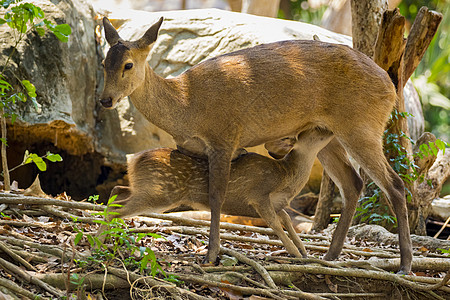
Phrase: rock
x=441 y=208
x=65 y=76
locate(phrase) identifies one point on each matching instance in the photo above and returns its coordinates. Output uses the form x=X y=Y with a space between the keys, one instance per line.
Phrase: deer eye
x=128 y=66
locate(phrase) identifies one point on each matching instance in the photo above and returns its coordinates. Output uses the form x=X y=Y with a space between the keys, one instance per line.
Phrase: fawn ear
x=111 y=34
x=150 y=35
x=279 y=148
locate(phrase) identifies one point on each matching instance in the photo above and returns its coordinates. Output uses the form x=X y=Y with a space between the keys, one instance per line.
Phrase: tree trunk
x=366 y=19
x=6 y=180
x=235 y=5
x=338 y=17
x=323 y=209
x=267 y=8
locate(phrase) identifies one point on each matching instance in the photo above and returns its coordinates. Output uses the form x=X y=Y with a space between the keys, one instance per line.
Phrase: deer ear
x=279 y=148
x=111 y=34
x=150 y=35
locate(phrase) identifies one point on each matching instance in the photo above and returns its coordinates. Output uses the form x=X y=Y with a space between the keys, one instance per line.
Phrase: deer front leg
x=219 y=174
x=287 y=223
x=267 y=212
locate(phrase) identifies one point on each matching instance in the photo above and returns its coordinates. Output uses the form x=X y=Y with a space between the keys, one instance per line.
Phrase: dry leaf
x=231 y=294
x=333 y=287
x=367 y=250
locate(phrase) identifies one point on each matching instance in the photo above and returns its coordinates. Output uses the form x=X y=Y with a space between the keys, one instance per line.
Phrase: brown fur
x=261 y=94
x=163 y=179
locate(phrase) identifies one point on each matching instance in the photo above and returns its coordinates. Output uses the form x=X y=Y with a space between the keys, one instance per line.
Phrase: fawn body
x=259 y=95
x=162 y=179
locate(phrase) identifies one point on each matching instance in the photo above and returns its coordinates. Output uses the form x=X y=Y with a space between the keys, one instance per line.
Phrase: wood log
x=429 y=189
x=422 y=32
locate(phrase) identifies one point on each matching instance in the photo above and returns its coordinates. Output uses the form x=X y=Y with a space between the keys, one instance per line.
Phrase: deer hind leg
x=335 y=161
x=273 y=220
x=287 y=223
x=371 y=158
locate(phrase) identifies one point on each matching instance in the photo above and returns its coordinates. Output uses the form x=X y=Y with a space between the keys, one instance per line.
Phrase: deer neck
x=160 y=100
x=298 y=164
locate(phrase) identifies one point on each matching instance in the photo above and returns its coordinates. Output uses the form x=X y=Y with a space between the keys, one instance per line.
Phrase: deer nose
x=107 y=102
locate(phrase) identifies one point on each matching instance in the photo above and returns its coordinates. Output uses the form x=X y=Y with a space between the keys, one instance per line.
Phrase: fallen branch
x=171 y=288
x=93 y=281
x=68 y=216
x=406 y=281
x=16 y=257
x=258 y=267
x=28 y=200
x=24 y=276
x=224 y=225
x=19 y=290
x=50 y=249
x=248 y=290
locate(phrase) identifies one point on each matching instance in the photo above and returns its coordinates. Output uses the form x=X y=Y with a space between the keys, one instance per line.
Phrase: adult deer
x=162 y=179
x=259 y=95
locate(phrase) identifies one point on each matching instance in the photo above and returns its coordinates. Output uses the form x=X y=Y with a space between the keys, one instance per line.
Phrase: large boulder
x=64 y=75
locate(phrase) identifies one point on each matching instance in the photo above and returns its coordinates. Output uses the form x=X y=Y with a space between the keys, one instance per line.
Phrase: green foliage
x=23 y=18
x=444 y=251
x=371 y=209
x=122 y=240
x=302 y=11
x=38 y=160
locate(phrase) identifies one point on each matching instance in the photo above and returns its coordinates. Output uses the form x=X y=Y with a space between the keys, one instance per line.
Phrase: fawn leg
x=287 y=223
x=273 y=220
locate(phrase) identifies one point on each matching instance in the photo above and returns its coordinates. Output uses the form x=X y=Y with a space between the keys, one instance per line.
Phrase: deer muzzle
x=106 y=102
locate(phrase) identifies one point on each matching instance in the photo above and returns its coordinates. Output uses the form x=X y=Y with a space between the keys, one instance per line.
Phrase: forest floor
x=46 y=253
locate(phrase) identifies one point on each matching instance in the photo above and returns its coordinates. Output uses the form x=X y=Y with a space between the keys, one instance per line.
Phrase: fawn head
x=124 y=65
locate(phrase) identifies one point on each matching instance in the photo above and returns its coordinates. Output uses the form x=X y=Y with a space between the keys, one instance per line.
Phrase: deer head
x=124 y=65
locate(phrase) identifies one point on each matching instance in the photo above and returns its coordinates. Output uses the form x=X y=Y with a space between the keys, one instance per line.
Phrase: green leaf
x=440 y=144
x=78 y=238
x=31 y=89
x=111 y=200
x=38 y=161
x=53 y=157
x=40 y=31
x=63 y=38
x=4 y=84
x=91 y=240
x=433 y=148
x=4 y=141
x=63 y=29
